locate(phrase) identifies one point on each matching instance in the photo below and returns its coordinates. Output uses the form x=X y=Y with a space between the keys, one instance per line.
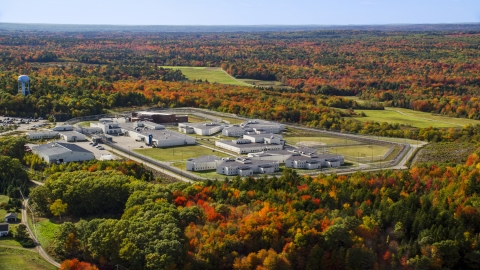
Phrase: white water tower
x=24 y=85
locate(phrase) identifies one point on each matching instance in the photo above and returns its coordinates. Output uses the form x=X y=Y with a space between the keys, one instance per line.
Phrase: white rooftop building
x=252 y=143
x=62 y=152
x=37 y=135
x=246 y=166
x=203 y=163
x=205 y=129
x=253 y=127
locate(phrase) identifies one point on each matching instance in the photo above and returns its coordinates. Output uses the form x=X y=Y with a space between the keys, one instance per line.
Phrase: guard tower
x=24 y=85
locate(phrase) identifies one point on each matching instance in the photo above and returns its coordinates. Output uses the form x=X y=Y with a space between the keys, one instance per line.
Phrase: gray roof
x=246 y=145
x=265 y=135
x=158 y=134
x=59 y=148
x=241 y=165
x=205 y=159
x=3 y=227
x=70 y=133
x=10 y=215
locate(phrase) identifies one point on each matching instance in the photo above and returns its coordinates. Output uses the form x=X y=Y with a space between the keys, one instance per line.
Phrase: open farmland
x=212 y=74
x=413 y=118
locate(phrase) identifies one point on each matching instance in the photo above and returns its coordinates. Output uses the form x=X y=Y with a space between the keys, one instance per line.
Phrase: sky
x=239 y=12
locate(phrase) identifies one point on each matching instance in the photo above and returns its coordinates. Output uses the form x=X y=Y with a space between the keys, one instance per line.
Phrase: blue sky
x=240 y=12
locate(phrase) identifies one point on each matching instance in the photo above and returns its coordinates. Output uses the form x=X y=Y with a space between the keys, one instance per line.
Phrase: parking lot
x=24 y=124
x=97 y=152
x=128 y=142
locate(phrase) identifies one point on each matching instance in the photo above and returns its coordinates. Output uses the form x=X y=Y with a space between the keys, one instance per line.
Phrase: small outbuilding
x=10 y=217
x=3 y=229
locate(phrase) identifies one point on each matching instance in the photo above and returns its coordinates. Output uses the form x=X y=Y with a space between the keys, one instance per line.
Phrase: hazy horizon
x=242 y=13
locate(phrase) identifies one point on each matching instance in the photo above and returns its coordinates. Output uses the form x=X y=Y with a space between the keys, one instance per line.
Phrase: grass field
x=178 y=154
x=316 y=141
x=9 y=241
x=362 y=151
x=46 y=231
x=413 y=118
x=212 y=74
x=3 y=198
x=21 y=259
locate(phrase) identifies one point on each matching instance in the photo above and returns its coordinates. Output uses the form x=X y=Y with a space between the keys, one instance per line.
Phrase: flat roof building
x=156 y=137
x=204 y=129
x=246 y=166
x=56 y=152
x=37 y=135
x=72 y=136
x=159 y=117
x=253 y=127
x=252 y=143
x=203 y=163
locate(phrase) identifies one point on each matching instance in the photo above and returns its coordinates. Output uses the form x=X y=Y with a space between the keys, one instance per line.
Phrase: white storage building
x=62 y=152
x=72 y=136
x=37 y=135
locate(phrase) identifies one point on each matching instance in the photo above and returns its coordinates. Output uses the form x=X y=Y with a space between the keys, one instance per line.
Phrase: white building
x=252 y=143
x=233 y=131
x=72 y=136
x=203 y=163
x=107 y=126
x=37 y=135
x=205 y=129
x=300 y=158
x=62 y=152
x=148 y=125
x=246 y=167
x=63 y=128
x=253 y=127
x=156 y=137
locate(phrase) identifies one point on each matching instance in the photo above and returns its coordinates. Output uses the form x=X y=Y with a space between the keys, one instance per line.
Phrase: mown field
x=365 y=152
x=413 y=118
x=178 y=154
x=22 y=259
x=212 y=74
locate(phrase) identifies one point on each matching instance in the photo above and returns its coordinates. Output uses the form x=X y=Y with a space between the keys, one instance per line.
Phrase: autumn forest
x=118 y=212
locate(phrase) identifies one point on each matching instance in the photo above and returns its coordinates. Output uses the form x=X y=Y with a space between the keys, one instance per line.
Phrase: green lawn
x=3 y=198
x=9 y=241
x=178 y=154
x=45 y=230
x=413 y=118
x=22 y=259
x=362 y=151
x=85 y=124
x=317 y=141
x=212 y=74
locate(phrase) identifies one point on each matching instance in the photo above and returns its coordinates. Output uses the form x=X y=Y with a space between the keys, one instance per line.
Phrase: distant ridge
x=232 y=28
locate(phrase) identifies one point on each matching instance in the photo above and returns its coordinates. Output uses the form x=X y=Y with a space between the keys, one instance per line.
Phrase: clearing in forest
x=413 y=118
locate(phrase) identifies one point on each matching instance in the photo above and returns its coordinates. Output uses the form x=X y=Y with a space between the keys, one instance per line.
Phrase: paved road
x=158 y=169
